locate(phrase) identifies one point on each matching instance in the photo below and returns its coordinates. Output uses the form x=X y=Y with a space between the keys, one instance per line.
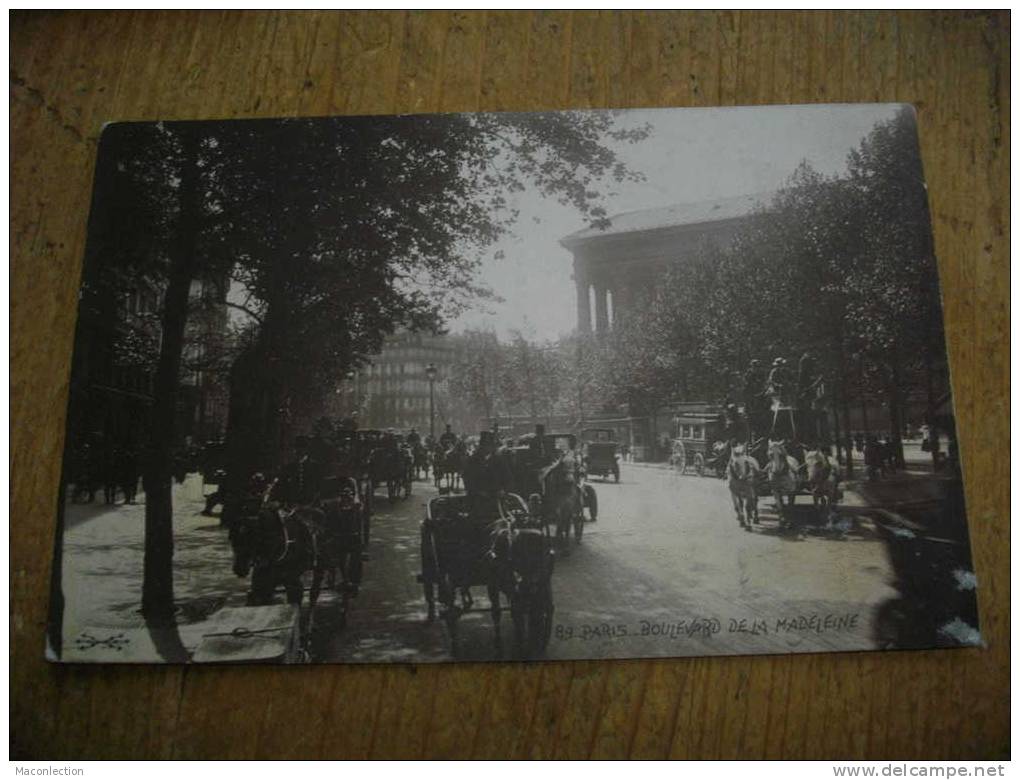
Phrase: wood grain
x=71 y=72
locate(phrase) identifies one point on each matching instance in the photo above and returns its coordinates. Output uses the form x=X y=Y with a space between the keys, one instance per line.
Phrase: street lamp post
x=430 y=372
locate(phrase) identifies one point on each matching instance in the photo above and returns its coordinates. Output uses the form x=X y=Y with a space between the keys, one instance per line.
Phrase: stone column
x=601 y=313
x=583 y=306
x=621 y=301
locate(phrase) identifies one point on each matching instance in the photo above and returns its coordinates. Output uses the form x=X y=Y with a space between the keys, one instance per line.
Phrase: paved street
x=666 y=570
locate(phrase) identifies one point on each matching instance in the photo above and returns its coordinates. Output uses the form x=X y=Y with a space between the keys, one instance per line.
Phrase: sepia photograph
x=511 y=386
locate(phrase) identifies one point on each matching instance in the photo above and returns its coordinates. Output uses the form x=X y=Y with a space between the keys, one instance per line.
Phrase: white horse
x=743 y=471
x=782 y=475
x=823 y=480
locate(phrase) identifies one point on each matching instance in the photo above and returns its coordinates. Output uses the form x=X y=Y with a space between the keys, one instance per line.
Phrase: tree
x=310 y=221
x=530 y=378
x=898 y=315
x=477 y=377
x=841 y=266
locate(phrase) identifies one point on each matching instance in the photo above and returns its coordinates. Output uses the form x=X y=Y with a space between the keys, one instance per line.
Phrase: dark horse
x=277 y=545
x=522 y=570
x=502 y=546
x=422 y=461
x=393 y=466
x=449 y=465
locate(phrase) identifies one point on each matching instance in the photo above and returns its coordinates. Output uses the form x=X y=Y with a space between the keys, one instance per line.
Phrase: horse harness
x=283 y=515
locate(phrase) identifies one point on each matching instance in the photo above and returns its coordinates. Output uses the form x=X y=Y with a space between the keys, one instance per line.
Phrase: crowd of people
x=102 y=463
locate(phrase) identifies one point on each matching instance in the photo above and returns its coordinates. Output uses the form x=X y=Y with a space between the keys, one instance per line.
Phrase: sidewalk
x=102 y=584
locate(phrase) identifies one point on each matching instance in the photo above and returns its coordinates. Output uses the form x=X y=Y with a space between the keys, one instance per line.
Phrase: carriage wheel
x=680 y=457
x=450 y=613
x=428 y=573
x=699 y=464
x=537 y=623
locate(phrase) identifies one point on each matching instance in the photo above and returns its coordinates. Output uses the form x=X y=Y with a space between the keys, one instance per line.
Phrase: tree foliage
x=841 y=266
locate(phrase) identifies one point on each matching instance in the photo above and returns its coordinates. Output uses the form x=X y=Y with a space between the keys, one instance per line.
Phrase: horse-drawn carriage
x=353 y=452
x=421 y=457
x=502 y=544
x=390 y=463
x=699 y=445
x=554 y=470
x=599 y=453
x=288 y=545
x=785 y=457
x=448 y=465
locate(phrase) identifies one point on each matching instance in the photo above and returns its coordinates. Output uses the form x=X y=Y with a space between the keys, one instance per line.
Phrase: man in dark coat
x=486 y=477
x=448 y=438
x=127 y=468
x=873 y=457
x=753 y=386
x=776 y=386
x=734 y=426
x=807 y=380
x=301 y=480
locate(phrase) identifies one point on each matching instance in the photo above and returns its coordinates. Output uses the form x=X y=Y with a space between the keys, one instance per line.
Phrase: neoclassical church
x=618 y=266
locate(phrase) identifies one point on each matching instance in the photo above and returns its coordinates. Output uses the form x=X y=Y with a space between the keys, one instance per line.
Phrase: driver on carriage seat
x=486 y=477
x=414 y=438
x=776 y=385
x=301 y=479
x=735 y=429
x=448 y=439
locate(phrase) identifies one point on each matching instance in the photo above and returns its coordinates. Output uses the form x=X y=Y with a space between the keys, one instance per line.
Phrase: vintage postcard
x=583 y=384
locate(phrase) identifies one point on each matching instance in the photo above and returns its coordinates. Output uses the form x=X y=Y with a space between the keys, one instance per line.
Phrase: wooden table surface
x=71 y=72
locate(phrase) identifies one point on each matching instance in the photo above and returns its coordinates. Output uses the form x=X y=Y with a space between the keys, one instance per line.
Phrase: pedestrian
x=128 y=473
x=859 y=441
x=109 y=455
x=889 y=463
x=873 y=458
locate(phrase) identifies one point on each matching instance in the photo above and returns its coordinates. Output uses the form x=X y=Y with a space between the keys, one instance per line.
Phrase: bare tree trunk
x=844 y=403
x=896 y=409
x=157 y=477
x=840 y=456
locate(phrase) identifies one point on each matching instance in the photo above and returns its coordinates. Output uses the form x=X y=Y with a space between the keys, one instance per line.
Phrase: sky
x=692 y=154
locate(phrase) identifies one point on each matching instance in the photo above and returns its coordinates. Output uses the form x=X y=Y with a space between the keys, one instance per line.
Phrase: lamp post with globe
x=430 y=372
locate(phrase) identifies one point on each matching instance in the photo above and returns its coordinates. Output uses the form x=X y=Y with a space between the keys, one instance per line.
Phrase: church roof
x=680 y=214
